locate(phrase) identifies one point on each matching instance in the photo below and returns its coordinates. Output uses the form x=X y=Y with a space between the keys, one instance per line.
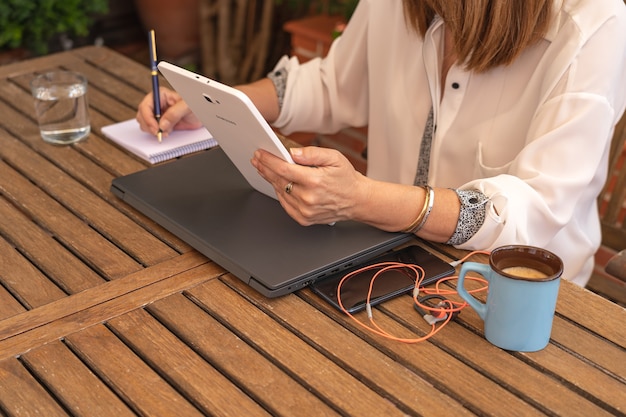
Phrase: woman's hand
x=325 y=186
x=174 y=114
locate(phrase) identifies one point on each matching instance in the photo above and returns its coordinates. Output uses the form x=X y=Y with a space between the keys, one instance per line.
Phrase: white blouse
x=533 y=136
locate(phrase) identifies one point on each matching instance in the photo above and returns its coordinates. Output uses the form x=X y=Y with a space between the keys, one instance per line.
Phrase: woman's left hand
x=325 y=187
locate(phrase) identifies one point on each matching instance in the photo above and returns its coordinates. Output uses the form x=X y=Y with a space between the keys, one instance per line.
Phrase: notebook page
x=179 y=142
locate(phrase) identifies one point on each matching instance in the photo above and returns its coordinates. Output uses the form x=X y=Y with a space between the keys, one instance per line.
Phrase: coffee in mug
x=524 y=272
x=523 y=289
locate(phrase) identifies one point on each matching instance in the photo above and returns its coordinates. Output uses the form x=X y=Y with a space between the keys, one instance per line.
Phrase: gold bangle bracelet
x=411 y=228
x=431 y=202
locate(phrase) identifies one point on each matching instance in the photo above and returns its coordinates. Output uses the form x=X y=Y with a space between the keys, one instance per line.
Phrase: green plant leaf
x=31 y=23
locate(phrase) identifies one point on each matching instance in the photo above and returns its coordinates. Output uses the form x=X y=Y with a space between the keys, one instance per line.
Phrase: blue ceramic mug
x=523 y=288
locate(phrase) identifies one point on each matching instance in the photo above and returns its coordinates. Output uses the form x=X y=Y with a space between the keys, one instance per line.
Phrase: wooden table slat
x=119 y=65
x=37 y=290
x=593 y=381
x=65 y=226
x=9 y=305
x=242 y=362
x=21 y=394
x=359 y=356
x=84 y=394
x=78 y=166
x=184 y=368
x=120 y=368
x=70 y=323
x=111 y=157
x=445 y=372
x=589 y=346
x=129 y=292
x=292 y=354
x=122 y=104
x=498 y=365
x=69 y=273
x=16 y=94
x=82 y=203
x=570 y=367
x=594 y=313
x=279 y=343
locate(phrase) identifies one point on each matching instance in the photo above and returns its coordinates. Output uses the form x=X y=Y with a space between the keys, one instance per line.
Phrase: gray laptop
x=204 y=200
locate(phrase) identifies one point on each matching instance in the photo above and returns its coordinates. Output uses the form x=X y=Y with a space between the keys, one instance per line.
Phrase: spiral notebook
x=146 y=146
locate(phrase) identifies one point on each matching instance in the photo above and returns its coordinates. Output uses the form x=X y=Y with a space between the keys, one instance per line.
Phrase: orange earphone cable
x=453 y=306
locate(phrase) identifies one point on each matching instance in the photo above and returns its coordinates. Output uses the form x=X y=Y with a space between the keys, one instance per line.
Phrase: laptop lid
x=204 y=200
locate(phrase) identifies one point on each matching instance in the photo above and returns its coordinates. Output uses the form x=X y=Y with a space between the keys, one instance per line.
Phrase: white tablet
x=232 y=119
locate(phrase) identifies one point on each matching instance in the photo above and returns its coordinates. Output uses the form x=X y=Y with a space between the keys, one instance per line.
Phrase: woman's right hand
x=175 y=114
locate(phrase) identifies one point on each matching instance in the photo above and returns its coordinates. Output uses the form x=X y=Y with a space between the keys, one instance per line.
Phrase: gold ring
x=289 y=187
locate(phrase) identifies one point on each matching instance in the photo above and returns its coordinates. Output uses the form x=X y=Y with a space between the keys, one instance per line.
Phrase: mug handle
x=481 y=269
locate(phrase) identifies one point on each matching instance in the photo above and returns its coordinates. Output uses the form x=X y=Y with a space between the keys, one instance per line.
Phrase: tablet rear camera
x=209 y=99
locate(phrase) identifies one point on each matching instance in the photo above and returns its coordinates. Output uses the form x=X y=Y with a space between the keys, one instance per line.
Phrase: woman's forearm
x=393 y=207
x=263 y=95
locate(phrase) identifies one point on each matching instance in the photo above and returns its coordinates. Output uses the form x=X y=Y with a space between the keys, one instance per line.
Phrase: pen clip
x=152 y=45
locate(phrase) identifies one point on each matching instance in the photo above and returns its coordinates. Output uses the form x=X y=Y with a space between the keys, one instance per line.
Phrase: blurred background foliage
x=33 y=24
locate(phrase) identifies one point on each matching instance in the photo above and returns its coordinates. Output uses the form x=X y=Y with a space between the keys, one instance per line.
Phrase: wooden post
x=234 y=40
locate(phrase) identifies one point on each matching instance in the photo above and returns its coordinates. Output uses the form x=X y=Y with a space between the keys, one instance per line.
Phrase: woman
x=489 y=122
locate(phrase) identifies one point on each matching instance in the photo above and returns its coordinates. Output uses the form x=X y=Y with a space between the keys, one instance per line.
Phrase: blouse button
x=455 y=86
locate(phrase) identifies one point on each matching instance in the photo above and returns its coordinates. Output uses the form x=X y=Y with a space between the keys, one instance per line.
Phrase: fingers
x=315 y=156
x=272 y=167
x=178 y=116
x=175 y=113
x=145 y=115
x=290 y=198
x=306 y=192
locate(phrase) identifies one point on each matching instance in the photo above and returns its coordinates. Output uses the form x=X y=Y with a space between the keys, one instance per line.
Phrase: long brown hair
x=487 y=33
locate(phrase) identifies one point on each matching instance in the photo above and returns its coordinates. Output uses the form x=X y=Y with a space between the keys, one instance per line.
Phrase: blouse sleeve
x=471 y=216
x=326 y=95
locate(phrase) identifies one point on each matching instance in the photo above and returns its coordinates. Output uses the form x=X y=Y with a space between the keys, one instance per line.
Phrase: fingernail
x=164 y=125
x=296 y=151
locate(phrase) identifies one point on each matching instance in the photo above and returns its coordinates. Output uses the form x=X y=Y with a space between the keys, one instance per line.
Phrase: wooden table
x=104 y=313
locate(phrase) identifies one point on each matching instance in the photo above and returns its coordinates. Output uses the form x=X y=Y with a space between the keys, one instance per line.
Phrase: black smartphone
x=388 y=285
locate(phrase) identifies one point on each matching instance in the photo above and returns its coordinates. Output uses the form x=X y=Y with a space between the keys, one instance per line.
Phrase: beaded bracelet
x=420 y=220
